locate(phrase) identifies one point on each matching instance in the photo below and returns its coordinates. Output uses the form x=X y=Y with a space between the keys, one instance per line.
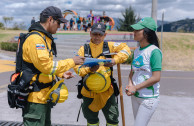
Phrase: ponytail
x=151 y=37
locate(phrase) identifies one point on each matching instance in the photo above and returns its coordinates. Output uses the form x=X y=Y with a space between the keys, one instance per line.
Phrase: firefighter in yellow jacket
x=98 y=93
x=38 y=52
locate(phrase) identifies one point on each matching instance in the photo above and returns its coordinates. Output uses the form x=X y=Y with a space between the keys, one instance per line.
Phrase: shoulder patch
x=116 y=44
x=40 y=46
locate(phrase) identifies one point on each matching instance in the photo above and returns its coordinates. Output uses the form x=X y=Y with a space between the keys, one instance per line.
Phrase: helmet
x=96 y=82
x=58 y=93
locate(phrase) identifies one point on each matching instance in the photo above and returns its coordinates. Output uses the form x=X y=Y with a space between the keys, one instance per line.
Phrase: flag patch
x=40 y=46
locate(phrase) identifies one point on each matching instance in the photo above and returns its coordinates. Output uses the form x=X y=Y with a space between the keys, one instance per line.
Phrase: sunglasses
x=58 y=22
x=97 y=34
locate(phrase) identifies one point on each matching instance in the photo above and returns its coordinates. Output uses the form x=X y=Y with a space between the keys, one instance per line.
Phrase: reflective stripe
x=97 y=124
x=79 y=69
x=106 y=52
x=87 y=55
x=124 y=51
x=108 y=124
x=55 y=65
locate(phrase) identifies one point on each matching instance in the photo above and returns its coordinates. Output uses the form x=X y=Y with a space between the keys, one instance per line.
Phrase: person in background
x=110 y=25
x=65 y=26
x=71 y=24
x=144 y=77
x=89 y=23
x=107 y=25
x=33 y=20
x=79 y=24
x=84 y=24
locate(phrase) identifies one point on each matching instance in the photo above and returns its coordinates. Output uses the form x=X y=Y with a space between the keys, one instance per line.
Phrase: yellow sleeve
x=122 y=50
x=35 y=51
x=84 y=70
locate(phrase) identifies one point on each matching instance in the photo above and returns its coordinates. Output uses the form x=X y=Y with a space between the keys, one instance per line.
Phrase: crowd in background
x=85 y=24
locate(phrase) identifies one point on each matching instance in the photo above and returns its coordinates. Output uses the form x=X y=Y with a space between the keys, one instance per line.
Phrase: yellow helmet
x=58 y=93
x=96 y=82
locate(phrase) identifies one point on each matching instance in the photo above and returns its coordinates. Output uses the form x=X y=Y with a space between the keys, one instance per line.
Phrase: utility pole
x=162 y=30
x=154 y=10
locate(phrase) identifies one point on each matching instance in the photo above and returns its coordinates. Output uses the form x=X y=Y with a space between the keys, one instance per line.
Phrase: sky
x=24 y=10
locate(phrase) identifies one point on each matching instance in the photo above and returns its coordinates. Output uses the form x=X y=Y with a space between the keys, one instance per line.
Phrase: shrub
x=8 y=46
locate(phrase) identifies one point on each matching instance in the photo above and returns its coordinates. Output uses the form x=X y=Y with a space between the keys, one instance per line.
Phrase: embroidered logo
x=116 y=44
x=141 y=20
x=99 y=26
x=40 y=46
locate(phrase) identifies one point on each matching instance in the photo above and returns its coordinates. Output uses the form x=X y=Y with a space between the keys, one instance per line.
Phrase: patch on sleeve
x=40 y=46
x=116 y=44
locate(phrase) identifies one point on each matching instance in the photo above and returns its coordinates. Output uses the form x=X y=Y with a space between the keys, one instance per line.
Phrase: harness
x=87 y=53
x=20 y=86
x=29 y=70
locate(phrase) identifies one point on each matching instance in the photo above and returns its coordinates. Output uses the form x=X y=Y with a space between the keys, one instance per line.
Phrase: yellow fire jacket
x=35 y=51
x=123 y=52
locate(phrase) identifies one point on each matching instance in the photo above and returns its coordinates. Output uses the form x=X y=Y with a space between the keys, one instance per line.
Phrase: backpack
x=87 y=53
x=19 y=86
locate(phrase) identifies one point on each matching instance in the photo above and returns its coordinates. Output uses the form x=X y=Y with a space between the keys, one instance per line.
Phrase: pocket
x=150 y=103
x=32 y=116
x=43 y=54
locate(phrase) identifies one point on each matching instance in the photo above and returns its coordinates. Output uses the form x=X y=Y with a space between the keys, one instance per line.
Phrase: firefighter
x=98 y=93
x=38 y=51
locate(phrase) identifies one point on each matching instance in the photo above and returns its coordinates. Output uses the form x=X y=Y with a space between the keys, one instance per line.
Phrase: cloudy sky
x=24 y=10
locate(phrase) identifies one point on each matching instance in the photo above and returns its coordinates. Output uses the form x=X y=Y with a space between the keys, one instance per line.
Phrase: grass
x=8 y=35
x=178 y=51
x=177 y=48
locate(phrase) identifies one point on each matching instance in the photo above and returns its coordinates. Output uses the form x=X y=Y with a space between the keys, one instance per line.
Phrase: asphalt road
x=172 y=83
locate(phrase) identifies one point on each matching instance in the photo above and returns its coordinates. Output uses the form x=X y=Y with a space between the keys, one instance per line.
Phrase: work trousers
x=110 y=111
x=35 y=114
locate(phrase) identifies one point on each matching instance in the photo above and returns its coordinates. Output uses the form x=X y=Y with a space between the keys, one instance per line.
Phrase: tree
x=1 y=25
x=17 y=26
x=129 y=18
x=7 y=20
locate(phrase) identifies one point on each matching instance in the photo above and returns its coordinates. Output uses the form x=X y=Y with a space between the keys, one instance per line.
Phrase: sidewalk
x=172 y=111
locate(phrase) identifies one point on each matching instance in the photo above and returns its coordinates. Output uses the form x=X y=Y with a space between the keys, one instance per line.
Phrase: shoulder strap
x=29 y=70
x=87 y=51
x=106 y=50
x=31 y=33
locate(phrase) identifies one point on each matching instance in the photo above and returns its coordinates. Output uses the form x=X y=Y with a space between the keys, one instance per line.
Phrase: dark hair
x=43 y=19
x=151 y=37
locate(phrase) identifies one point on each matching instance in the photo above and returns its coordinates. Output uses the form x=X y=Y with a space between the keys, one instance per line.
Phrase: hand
x=130 y=90
x=67 y=75
x=112 y=63
x=94 y=68
x=78 y=60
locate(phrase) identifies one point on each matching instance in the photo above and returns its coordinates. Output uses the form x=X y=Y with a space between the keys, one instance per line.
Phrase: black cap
x=54 y=12
x=98 y=28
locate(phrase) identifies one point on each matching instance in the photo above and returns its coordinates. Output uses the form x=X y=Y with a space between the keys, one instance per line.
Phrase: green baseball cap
x=146 y=22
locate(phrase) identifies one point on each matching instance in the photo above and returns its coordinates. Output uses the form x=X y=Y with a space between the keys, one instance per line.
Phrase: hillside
x=186 y=25
x=159 y=22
